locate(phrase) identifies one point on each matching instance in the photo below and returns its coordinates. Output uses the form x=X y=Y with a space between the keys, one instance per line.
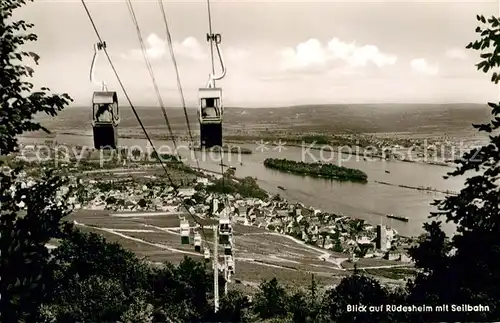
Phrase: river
x=370 y=201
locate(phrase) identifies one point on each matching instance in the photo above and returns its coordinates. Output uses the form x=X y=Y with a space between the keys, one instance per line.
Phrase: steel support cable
x=211 y=41
x=176 y=189
x=221 y=148
x=213 y=73
x=151 y=73
x=179 y=84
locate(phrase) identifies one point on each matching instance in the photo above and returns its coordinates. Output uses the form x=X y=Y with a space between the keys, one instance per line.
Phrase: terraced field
x=260 y=254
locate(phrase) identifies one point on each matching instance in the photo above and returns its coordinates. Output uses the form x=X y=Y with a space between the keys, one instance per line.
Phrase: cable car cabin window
x=104 y=112
x=223 y=239
x=210 y=108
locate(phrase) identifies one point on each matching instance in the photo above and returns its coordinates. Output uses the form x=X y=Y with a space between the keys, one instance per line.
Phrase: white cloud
x=420 y=65
x=360 y=55
x=456 y=53
x=156 y=48
x=312 y=55
x=190 y=48
x=308 y=54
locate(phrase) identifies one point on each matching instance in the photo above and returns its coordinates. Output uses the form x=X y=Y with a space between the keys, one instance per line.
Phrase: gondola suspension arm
x=97 y=47
x=216 y=38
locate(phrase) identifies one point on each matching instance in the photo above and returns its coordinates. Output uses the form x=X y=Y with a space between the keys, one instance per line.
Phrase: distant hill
x=341 y=118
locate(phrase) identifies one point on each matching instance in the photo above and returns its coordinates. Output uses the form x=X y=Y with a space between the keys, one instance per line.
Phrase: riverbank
x=366 y=146
x=420 y=188
x=328 y=171
x=370 y=201
x=143 y=188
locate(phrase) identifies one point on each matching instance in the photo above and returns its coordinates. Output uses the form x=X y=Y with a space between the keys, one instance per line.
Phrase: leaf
x=477 y=45
x=483 y=127
x=494 y=78
x=481 y=64
x=35 y=57
x=30 y=71
x=493 y=105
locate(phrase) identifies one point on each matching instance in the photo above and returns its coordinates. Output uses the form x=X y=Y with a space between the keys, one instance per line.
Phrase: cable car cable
x=212 y=38
x=213 y=73
x=151 y=72
x=148 y=63
x=125 y=91
x=174 y=186
x=150 y=68
x=179 y=85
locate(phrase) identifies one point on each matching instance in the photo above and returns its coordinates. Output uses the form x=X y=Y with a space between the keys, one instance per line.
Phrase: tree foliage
x=246 y=187
x=89 y=254
x=234 y=307
x=88 y=279
x=272 y=300
x=466 y=269
x=356 y=290
x=19 y=102
x=30 y=216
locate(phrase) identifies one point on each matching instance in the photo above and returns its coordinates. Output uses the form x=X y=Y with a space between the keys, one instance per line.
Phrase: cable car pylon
x=210 y=114
x=105 y=110
x=222 y=236
x=106 y=98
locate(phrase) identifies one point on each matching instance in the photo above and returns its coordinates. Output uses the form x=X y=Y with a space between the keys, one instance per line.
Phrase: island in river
x=323 y=170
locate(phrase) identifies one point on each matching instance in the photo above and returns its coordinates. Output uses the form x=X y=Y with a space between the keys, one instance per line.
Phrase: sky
x=277 y=53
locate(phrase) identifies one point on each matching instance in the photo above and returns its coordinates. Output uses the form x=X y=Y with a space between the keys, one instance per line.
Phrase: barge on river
x=400 y=218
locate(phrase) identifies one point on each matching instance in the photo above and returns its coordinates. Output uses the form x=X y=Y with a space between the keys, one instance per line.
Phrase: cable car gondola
x=230 y=265
x=105 y=119
x=185 y=230
x=211 y=109
x=206 y=254
x=197 y=242
x=228 y=249
x=225 y=230
x=210 y=113
x=105 y=111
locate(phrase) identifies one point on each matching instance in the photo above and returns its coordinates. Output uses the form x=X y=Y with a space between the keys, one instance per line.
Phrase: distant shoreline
x=289 y=143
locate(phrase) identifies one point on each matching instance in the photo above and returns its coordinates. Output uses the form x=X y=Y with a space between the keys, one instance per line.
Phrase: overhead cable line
x=179 y=85
x=174 y=186
x=213 y=82
x=211 y=40
x=151 y=72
